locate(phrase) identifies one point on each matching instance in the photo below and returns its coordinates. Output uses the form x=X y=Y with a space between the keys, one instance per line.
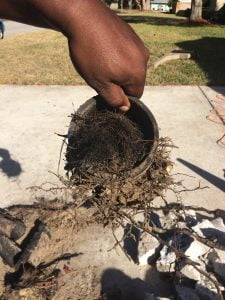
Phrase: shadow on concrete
x=8 y=166
x=160 y=283
x=116 y=285
x=208 y=52
x=213 y=233
x=219 y=89
x=131 y=241
x=202 y=213
x=220 y=267
x=216 y=181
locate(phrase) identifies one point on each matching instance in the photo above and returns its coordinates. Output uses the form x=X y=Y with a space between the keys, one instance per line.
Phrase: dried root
x=104 y=142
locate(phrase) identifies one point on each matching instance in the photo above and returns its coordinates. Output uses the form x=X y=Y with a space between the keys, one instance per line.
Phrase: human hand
x=108 y=54
x=103 y=48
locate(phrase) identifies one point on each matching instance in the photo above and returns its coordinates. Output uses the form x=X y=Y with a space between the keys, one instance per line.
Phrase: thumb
x=115 y=97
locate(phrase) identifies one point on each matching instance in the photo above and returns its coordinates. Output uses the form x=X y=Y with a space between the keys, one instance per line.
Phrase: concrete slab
x=31 y=115
x=181 y=114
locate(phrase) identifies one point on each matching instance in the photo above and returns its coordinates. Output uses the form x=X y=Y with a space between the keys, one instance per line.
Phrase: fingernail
x=124 y=108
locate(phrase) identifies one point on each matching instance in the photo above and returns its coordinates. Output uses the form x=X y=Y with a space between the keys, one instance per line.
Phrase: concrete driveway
x=15 y=28
x=29 y=148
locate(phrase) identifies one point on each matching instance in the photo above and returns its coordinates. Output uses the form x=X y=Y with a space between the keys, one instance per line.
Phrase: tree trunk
x=196 y=9
x=130 y=4
x=215 y=5
x=107 y=2
x=137 y=4
x=145 y=4
x=122 y=5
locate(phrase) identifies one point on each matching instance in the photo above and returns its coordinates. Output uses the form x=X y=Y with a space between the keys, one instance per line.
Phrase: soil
x=57 y=262
x=78 y=257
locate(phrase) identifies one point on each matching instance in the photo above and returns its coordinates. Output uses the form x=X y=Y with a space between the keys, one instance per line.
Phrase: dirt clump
x=57 y=266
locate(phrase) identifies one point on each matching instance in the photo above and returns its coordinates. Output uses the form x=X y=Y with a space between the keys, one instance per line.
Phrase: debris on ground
x=203 y=271
x=194 y=266
x=166 y=261
x=147 y=249
x=38 y=231
x=8 y=250
x=11 y=227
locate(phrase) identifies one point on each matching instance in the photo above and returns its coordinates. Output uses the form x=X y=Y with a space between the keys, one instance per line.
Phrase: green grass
x=42 y=58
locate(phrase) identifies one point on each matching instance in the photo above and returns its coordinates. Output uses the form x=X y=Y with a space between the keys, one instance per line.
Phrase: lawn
x=42 y=57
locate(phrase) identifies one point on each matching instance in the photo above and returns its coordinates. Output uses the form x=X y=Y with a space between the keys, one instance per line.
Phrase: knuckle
x=140 y=75
x=135 y=90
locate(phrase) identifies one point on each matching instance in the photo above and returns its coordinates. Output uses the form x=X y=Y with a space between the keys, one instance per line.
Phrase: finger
x=135 y=86
x=115 y=97
x=134 y=90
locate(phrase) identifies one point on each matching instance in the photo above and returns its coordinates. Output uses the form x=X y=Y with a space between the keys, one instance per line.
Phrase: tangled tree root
x=119 y=200
x=102 y=149
x=110 y=190
x=104 y=142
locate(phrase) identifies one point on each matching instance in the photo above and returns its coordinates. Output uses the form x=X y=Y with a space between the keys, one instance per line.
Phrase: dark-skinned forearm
x=66 y=16
x=52 y=14
x=21 y=11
